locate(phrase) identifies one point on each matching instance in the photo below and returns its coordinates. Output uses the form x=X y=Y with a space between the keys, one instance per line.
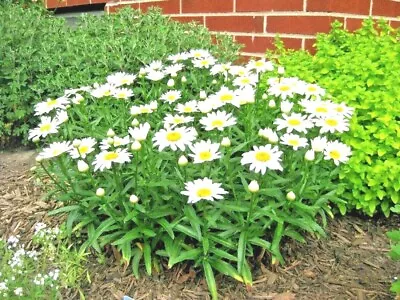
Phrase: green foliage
x=361 y=69
x=394 y=253
x=40 y=55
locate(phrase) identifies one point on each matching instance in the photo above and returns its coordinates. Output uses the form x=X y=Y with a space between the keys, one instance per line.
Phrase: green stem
x=52 y=178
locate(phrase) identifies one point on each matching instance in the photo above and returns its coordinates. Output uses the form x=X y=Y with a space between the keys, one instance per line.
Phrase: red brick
x=167 y=6
x=77 y=2
x=395 y=24
x=235 y=23
x=188 y=19
x=98 y=1
x=209 y=6
x=309 y=46
x=300 y=24
x=353 y=24
x=55 y=3
x=342 y=6
x=269 y=5
x=388 y=8
x=260 y=44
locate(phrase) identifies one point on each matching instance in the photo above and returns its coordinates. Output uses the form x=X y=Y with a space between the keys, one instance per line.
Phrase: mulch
x=351 y=263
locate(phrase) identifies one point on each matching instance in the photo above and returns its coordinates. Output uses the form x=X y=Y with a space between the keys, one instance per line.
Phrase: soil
x=351 y=263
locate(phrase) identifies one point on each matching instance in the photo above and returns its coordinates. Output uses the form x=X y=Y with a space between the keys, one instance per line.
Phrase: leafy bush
x=40 y=55
x=361 y=69
x=118 y=154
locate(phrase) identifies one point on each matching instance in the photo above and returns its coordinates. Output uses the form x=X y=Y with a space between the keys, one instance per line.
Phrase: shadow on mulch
x=351 y=263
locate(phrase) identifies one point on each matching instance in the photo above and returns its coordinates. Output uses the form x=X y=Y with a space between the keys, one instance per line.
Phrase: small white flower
x=82 y=147
x=177 y=138
x=171 y=96
x=175 y=120
x=281 y=70
x=50 y=104
x=310 y=155
x=155 y=75
x=104 y=90
x=286 y=106
x=245 y=81
x=295 y=121
x=260 y=65
x=173 y=69
x=140 y=132
x=61 y=117
x=217 y=120
x=337 y=151
x=104 y=159
x=46 y=126
x=204 y=151
x=55 y=149
x=121 y=78
x=263 y=158
x=271 y=104
x=226 y=96
x=332 y=123
x=318 y=144
x=203 y=95
x=203 y=189
x=122 y=93
x=203 y=63
x=18 y=291
x=269 y=134
x=294 y=141
x=188 y=107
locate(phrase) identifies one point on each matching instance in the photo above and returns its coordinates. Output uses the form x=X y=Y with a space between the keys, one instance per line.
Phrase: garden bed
x=351 y=263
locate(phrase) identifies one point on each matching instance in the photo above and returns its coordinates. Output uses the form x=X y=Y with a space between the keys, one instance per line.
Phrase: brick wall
x=51 y=4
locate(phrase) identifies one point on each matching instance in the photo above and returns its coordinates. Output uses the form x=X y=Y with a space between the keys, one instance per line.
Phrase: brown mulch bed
x=351 y=263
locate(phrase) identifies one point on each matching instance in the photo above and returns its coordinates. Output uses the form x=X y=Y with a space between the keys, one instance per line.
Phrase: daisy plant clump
x=194 y=163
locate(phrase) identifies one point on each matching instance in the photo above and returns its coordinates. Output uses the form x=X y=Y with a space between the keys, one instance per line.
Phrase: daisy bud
x=110 y=133
x=226 y=142
x=33 y=169
x=254 y=187
x=271 y=103
x=67 y=106
x=136 y=145
x=110 y=141
x=100 y=192
x=133 y=199
x=310 y=155
x=174 y=75
x=286 y=106
x=291 y=196
x=135 y=122
x=153 y=105
x=36 y=139
x=82 y=166
x=39 y=158
x=281 y=70
x=171 y=83
x=182 y=161
x=183 y=79
x=76 y=143
x=264 y=96
x=203 y=95
x=214 y=81
x=273 y=138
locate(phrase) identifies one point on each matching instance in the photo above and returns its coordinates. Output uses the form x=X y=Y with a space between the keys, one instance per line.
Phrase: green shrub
x=361 y=69
x=40 y=55
x=118 y=158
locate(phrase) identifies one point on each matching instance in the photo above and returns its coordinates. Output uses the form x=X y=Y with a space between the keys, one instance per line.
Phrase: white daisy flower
x=85 y=147
x=332 y=123
x=343 y=109
x=115 y=141
x=47 y=106
x=77 y=99
x=178 y=57
x=239 y=71
x=337 y=151
x=203 y=63
x=204 y=151
x=225 y=96
x=283 y=89
x=122 y=93
x=286 y=106
x=121 y=78
x=104 y=90
x=203 y=189
x=207 y=105
x=104 y=159
x=171 y=96
x=317 y=108
x=245 y=95
x=188 y=107
x=176 y=138
x=318 y=143
x=263 y=158
x=222 y=68
x=175 y=120
x=141 y=109
x=246 y=80
x=217 y=120
x=295 y=121
x=46 y=126
x=155 y=75
x=269 y=134
x=173 y=69
x=55 y=149
x=260 y=65
x=313 y=91
x=139 y=133
x=199 y=53
x=294 y=141
x=155 y=65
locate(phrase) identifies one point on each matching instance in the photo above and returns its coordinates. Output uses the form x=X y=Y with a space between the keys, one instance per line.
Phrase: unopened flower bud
x=203 y=95
x=271 y=103
x=136 y=145
x=110 y=133
x=36 y=139
x=133 y=199
x=182 y=161
x=110 y=141
x=214 y=81
x=171 y=83
x=286 y=106
x=183 y=79
x=135 y=122
x=39 y=158
x=82 y=166
x=273 y=138
x=76 y=143
x=281 y=70
x=226 y=142
x=174 y=75
x=291 y=196
x=264 y=96
x=100 y=192
x=254 y=187
x=310 y=155
x=33 y=169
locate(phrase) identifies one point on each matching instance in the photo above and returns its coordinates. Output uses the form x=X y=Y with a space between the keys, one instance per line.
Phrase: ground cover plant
x=40 y=55
x=362 y=70
x=186 y=160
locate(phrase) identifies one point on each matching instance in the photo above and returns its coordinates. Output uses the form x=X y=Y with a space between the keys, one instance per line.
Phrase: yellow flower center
x=197 y=55
x=56 y=152
x=331 y=122
x=178 y=120
x=263 y=156
x=204 y=62
x=171 y=97
x=45 y=127
x=203 y=192
x=293 y=142
x=187 y=109
x=205 y=155
x=111 y=156
x=259 y=63
x=121 y=95
x=226 y=97
x=51 y=102
x=334 y=154
x=125 y=80
x=217 y=123
x=312 y=89
x=241 y=73
x=107 y=93
x=173 y=136
x=339 y=109
x=321 y=109
x=294 y=122
x=144 y=110
x=83 y=149
x=245 y=80
x=284 y=88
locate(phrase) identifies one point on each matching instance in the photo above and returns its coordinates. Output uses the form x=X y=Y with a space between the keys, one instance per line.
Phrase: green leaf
x=147 y=257
x=188 y=231
x=260 y=242
x=193 y=254
x=246 y=274
x=130 y=236
x=241 y=254
x=223 y=254
x=226 y=269
x=64 y=209
x=137 y=257
x=212 y=286
x=394 y=235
